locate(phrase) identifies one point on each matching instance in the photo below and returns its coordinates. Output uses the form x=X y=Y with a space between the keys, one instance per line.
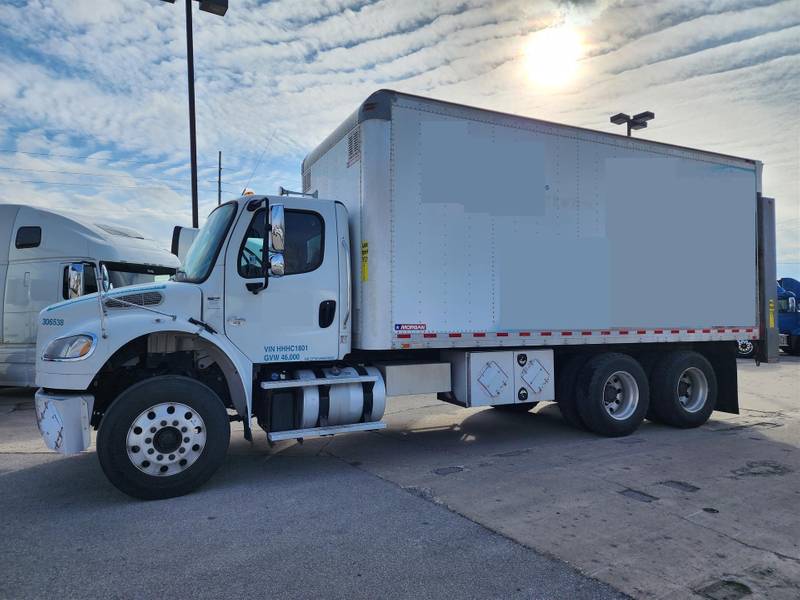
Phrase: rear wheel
x=163 y=437
x=566 y=378
x=683 y=389
x=612 y=394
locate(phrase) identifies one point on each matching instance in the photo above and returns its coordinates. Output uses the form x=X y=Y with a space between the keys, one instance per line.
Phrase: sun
x=552 y=55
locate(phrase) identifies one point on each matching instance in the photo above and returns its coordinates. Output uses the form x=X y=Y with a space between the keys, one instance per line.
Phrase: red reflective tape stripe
x=524 y=333
x=720 y=331
x=546 y=333
x=734 y=331
x=478 y=335
x=501 y=334
x=658 y=331
x=586 y=333
x=641 y=331
x=605 y=333
x=706 y=331
x=623 y=332
x=690 y=331
x=566 y=333
x=429 y=335
x=404 y=335
x=749 y=330
x=454 y=335
x=674 y=330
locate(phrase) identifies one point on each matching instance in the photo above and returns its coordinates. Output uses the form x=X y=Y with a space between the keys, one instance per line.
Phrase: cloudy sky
x=93 y=113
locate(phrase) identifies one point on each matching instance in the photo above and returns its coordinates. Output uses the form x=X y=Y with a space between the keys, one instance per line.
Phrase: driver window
x=303 y=251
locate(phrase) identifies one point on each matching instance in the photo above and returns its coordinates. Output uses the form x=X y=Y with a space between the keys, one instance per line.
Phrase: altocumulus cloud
x=93 y=94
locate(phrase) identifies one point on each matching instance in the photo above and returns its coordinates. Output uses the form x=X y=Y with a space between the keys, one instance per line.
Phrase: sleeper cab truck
x=36 y=248
x=490 y=259
x=789 y=315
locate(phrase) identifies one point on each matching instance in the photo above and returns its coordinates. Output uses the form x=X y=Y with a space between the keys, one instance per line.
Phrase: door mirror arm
x=256 y=287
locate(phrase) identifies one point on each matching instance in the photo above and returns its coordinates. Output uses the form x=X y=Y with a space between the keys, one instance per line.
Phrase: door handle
x=327 y=310
x=236 y=320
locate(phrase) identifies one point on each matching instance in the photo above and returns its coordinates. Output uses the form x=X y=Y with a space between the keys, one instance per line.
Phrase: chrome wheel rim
x=745 y=346
x=166 y=439
x=692 y=390
x=620 y=395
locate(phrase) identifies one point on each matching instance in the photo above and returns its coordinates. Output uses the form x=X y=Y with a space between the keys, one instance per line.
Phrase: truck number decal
x=53 y=322
x=364 y=261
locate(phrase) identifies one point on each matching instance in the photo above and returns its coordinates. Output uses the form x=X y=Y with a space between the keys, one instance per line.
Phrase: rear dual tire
x=684 y=390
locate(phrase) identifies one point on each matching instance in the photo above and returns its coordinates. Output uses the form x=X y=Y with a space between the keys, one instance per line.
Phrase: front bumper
x=63 y=419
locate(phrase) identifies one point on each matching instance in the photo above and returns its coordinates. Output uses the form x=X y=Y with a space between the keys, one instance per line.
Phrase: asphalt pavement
x=445 y=502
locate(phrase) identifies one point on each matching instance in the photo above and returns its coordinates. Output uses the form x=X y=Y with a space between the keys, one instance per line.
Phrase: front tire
x=612 y=394
x=163 y=437
x=683 y=389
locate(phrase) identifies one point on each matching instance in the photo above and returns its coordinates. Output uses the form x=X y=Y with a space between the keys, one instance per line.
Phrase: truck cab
x=245 y=313
x=37 y=247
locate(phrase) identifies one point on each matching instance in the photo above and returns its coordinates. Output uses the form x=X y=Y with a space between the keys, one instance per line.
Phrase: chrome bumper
x=783 y=339
x=63 y=420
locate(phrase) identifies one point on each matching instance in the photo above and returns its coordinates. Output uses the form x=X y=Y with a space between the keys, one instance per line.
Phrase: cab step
x=299 y=434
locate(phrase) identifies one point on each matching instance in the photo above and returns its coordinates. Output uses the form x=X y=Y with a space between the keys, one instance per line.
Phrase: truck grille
x=139 y=299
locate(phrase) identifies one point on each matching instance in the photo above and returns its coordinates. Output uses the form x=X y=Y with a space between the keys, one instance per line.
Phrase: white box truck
x=36 y=248
x=488 y=258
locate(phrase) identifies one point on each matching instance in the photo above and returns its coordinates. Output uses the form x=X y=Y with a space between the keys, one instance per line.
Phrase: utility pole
x=219 y=178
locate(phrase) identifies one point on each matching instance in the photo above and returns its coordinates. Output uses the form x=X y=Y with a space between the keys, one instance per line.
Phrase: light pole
x=217 y=7
x=635 y=122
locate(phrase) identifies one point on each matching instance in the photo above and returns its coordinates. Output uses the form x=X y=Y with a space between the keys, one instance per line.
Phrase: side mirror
x=105 y=281
x=75 y=282
x=277 y=242
x=277 y=228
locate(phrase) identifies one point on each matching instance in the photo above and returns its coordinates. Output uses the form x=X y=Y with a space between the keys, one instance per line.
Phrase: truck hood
x=82 y=315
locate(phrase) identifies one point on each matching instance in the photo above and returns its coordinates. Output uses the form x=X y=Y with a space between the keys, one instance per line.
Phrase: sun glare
x=552 y=55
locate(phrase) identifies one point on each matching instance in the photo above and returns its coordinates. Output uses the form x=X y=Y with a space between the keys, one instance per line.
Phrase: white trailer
x=36 y=248
x=491 y=259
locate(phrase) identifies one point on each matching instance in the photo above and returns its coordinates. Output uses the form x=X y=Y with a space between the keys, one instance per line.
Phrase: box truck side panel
x=497 y=228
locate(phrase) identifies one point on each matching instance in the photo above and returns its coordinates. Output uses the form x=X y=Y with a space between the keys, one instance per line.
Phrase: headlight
x=74 y=347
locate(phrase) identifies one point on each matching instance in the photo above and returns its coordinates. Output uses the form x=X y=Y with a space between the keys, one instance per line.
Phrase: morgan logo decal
x=410 y=327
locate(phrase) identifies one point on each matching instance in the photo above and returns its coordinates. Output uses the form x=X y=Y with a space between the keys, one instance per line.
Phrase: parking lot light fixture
x=217 y=7
x=638 y=121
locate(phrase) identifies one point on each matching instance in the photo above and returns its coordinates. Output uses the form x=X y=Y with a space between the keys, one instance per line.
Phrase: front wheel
x=163 y=437
x=745 y=348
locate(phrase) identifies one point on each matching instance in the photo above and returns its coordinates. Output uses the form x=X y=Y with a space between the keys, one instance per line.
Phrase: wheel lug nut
x=148 y=440
x=174 y=423
x=163 y=423
x=186 y=440
x=152 y=430
x=150 y=451
x=172 y=457
x=160 y=457
x=183 y=429
x=181 y=450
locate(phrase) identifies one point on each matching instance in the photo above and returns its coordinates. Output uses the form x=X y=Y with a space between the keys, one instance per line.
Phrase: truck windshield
x=205 y=248
x=122 y=274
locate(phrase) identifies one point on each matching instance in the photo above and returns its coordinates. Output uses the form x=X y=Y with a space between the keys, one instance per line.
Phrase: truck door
x=296 y=317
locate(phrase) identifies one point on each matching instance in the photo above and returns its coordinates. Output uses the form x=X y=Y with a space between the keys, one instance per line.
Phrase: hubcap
x=166 y=439
x=745 y=346
x=620 y=395
x=692 y=389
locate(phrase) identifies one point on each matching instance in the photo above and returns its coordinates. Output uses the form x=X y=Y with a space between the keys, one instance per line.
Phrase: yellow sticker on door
x=364 y=261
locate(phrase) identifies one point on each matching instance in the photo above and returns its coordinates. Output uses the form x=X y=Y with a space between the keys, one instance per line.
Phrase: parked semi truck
x=36 y=248
x=789 y=315
x=491 y=259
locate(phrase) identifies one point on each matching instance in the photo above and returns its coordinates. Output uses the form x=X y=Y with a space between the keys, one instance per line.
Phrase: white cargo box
x=476 y=228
